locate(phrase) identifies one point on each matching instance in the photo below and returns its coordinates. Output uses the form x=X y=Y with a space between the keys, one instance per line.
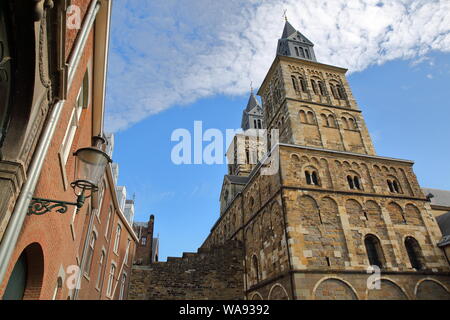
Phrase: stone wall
x=212 y=273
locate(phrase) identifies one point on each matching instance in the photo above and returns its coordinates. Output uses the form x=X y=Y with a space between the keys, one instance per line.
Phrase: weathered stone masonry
x=214 y=273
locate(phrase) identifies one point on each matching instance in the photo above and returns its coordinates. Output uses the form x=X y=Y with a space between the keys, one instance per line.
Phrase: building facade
x=147 y=249
x=54 y=58
x=321 y=216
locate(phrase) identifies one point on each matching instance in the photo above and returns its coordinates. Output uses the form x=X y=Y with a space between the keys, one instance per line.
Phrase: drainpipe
x=14 y=227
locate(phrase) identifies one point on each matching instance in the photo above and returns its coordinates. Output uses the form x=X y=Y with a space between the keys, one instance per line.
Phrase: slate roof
x=237 y=179
x=441 y=197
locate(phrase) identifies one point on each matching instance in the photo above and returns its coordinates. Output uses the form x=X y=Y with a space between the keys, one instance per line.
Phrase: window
x=112 y=272
x=340 y=92
x=303 y=116
x=294 y=83
x=307 y=54
x=122 y=286
x=107 y=221
x=334 y=91
x=117 y=240
x=323 y=90
x=303 y=84
x=90 y=253
x=314 y=86
x=310 y=117
x=312 y=178
x=144 y=241
x=101 y=194
x=302 y=53
x=255 y=268
x=374 y=252
x=81 y=103
x=354 y=182
x=125 y=259
x=100 y=267
x=296 y=52
x=393 y=185
x=414 y=253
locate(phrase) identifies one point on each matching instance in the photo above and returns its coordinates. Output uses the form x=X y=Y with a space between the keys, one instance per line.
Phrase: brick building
x=147 y=249
x=316 y=212
x=53 y=105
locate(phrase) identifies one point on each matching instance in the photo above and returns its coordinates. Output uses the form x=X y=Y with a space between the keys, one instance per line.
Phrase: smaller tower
x=252 y=116
x=295 y=45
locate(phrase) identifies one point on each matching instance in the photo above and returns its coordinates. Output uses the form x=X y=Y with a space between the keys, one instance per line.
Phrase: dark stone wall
x=214 y=273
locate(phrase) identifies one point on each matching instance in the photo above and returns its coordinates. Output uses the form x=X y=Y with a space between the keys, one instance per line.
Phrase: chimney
x=150 y=226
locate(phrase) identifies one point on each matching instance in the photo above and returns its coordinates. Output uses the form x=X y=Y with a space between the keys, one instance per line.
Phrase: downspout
x=15 y=224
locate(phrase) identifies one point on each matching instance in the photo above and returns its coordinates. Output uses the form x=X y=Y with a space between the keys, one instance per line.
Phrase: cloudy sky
x=174 y=62
x=167 y=53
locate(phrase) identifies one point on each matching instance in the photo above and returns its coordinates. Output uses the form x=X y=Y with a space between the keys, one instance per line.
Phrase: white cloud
x=166 y=53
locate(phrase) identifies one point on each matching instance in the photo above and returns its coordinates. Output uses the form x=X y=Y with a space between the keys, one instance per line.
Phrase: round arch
x=389 y=290
x=25 y=281
x=278 y=292
x=431 y=289
x=348 y=292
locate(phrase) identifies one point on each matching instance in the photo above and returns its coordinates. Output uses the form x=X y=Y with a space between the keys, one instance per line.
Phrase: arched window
x=357 y=182
x=255 y=268
x=90 y=254
x=101 y=261
x=352 y=124
x=315 y=178
x=331 y=121
x=314 y=86
x=390 y=186
x=308 y=177
x=414 y=253
x=310 y=117
x=350 y=182
x=324 y=120
x=259 y=124
x=303 y=84
x=307 y=54
x=333 y=91
x=340 y=92
x=323 y=90
x=296 y=52
x=344 y=123
x=302 y=52
x=303 y=117
x=374 y=251
x=354 y=182
x=396 y=186
x=393 y=185
x=294 y=83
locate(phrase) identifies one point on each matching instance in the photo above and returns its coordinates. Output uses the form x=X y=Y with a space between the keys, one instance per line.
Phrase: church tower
x=311 y=103
x=334 y=211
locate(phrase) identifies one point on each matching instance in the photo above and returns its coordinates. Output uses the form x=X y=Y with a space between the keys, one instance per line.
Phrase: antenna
x=251 y=86
x=285 y=15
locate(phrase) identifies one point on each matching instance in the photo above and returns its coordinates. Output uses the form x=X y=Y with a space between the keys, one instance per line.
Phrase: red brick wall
x=52 y=231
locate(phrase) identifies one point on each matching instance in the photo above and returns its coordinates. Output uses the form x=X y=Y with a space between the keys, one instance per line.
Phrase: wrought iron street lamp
x=90 y=164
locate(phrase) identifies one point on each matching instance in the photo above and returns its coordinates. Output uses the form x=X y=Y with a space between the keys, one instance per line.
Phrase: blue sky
x=171 y=64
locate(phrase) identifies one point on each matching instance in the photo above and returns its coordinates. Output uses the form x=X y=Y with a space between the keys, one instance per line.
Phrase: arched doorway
x=25 y=281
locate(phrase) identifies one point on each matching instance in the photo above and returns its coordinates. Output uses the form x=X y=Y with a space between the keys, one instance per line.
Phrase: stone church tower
x=334 y=220
x=333 y=208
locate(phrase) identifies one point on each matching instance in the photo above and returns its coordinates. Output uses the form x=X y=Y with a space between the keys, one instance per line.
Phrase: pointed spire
x=294 y=44
x=288 y=30
x=252 y=116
